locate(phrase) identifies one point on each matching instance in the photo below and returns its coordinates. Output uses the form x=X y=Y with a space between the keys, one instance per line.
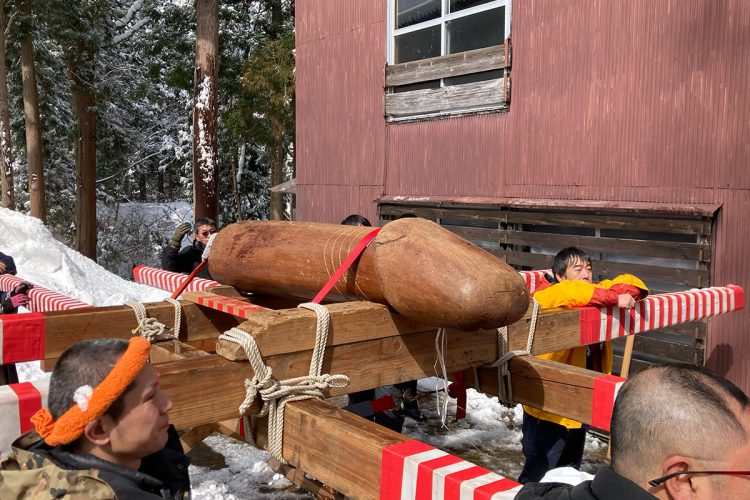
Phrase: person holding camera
x=187 y=259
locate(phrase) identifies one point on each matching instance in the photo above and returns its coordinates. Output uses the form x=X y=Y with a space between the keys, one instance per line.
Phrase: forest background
x=111 y=105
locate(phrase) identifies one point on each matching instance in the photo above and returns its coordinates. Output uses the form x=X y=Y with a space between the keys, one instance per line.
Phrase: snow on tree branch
x=206 y=158
x=124 y=36
x=121 y=23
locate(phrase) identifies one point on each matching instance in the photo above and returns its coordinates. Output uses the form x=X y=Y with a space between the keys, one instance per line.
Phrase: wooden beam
x=480 y=95
x=547 y=385
x=433 y=68
x=210 y=389
x=65 y=328
x=339 y=448
x=299 y=478
x=293 y=330
x=172 y=350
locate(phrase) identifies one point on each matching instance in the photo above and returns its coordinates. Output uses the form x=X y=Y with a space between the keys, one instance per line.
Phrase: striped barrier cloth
x=533 y=279
x=229 y=305
x=413 y=470
x=42 y=299
x=22 y=336
x=18 y=402
x=658 y=311
x=167 y=280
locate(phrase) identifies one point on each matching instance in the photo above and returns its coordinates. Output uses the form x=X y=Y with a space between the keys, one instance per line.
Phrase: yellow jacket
x=576 y=293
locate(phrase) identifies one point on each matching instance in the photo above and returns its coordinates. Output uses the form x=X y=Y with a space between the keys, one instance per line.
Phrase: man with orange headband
x=106 y=433
x=550 y=440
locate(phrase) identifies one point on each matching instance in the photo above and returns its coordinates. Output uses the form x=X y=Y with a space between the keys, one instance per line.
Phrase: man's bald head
x=674 y=410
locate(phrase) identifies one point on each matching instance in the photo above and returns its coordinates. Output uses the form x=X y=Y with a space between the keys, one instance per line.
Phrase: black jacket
x=185 y=260
x=163 y=474
x=606 y=485
x=10 y=265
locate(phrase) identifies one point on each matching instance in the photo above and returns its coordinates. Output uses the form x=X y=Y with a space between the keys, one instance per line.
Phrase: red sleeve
x=604 y=297
x=633 y=291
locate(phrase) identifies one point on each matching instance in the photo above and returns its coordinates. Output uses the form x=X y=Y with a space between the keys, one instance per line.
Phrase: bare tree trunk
x=277 y=169
x=84 y=102
x=6 y=169
x=205 y=158
x=235 y=185
x=159 y=184
x=33 y=127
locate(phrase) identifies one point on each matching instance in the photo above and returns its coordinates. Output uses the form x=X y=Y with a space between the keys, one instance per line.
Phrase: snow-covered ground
x=224 y=468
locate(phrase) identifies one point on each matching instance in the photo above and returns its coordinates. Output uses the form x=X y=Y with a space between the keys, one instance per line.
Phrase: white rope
x=505 y=386
x=276 y=394
x=150 y=328
x=441 y=341
x=209 y=243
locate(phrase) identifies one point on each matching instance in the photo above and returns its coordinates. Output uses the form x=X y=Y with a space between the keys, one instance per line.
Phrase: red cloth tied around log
x=415 y=266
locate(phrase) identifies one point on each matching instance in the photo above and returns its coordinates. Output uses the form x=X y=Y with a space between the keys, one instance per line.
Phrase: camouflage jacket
x=34 y=470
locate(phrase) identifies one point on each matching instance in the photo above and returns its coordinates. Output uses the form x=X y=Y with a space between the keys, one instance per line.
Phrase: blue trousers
x=547 y=445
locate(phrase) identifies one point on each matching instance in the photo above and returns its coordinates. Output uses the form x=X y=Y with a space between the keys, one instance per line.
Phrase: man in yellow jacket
x=550 y=440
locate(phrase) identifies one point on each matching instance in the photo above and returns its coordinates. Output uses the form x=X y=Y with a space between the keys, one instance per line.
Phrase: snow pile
x=43 y=260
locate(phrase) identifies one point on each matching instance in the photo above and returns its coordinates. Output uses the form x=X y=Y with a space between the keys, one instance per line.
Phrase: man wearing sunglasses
x=678 y=432
x=187 y=259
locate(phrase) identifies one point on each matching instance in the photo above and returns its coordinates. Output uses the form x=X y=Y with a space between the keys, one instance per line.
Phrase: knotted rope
x=150 y=328
x=505 y=386
x=276 y=394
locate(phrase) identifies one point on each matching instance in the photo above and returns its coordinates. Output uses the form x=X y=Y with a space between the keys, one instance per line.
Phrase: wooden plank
x=434 y=68
x=643 y=248
x=65 y=328
x=339 y=448
x=560 y=217
x=555 y=387
x=613 y=221
x=173 y=350
x=299 y=478
x=195 y=436
x=484 y=94
x=292 y=330
x=669 y=351
x=665 y=274
x=217 y=385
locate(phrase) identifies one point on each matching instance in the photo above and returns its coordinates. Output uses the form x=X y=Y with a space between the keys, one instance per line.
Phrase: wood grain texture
x=433 y=68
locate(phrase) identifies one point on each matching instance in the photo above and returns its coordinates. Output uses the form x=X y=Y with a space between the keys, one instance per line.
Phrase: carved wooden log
x=421 y=270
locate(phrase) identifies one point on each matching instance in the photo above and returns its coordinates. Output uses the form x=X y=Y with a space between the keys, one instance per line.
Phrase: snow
x=224 y=468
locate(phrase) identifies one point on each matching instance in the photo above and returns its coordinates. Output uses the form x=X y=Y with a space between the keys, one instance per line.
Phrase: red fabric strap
x=29 y=401
x=23 y=337
x=603 y=400
x=353 y=256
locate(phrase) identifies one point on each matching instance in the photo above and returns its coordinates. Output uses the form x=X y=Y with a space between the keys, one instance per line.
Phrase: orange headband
x=71 y=424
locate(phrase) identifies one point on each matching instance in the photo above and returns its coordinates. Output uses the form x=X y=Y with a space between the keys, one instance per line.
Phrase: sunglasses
x=663 y=479
x=207 y=233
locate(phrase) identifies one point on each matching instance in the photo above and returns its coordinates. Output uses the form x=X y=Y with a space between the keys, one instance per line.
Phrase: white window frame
x=441 y=20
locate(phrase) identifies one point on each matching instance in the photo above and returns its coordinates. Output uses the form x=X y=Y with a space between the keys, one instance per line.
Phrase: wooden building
x=622 y=126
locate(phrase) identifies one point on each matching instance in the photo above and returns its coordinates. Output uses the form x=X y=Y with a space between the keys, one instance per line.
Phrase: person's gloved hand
x=13 y=302
x=180 y=233
x=21 y=288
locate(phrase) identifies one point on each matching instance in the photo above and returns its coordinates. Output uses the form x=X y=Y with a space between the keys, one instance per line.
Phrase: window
x=435 y=44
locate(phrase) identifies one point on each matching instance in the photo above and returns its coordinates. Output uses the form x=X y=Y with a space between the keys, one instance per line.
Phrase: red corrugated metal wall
x=618 y=100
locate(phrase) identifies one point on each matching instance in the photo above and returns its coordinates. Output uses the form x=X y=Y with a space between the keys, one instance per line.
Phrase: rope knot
x=276 y=394
x=504 y=356
x=152 y=329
